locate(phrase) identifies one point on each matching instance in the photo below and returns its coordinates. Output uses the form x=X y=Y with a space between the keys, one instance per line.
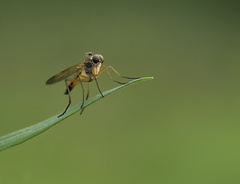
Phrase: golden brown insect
x=87 y=71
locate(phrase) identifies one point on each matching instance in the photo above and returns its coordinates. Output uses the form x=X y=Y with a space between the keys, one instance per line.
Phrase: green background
x=181 y=127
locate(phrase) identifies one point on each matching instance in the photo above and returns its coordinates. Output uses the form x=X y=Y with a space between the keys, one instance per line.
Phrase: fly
x=87 y=71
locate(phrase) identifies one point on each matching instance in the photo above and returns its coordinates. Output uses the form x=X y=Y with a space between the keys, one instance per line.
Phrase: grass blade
x=27 y=133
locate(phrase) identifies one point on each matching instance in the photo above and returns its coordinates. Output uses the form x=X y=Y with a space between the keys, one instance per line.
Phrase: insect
x=87 y=71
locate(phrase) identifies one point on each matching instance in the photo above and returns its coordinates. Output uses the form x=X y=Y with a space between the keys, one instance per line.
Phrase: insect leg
x=98 y=86
x=88 y=90
x=113 y=79
x=105 y=69
x=82 y=90
x=69 y=98
x=86 y=97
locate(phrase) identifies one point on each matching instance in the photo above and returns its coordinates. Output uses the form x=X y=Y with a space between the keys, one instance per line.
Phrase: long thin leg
x=116 y=73
x=88 y=94
x=82 y=90
x=88 y=90
x=106 y=69
x=86 y=97
x=69 y=102
x=98 y=87
x=82 y=111
x=68 y=92
x=113 y=79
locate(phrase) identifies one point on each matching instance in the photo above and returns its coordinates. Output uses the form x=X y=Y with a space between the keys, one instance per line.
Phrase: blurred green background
x=181 y=127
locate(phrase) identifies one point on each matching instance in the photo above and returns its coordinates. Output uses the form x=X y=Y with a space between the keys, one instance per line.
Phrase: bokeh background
x=181 y=127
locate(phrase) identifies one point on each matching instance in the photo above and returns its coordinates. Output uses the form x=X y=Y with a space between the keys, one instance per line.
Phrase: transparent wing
x=65 y=73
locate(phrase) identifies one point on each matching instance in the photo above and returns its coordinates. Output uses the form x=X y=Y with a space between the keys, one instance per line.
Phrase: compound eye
x=97 y=58
x=101 y=58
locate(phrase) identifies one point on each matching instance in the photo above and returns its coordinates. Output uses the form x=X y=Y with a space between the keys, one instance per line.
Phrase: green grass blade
x=27 y=133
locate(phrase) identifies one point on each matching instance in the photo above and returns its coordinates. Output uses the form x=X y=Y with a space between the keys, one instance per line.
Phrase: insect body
x=87 y=71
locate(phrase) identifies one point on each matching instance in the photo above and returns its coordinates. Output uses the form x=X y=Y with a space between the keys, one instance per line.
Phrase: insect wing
x=65 y=73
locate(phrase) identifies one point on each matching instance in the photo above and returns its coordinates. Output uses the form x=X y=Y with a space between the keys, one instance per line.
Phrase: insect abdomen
x=70 y=87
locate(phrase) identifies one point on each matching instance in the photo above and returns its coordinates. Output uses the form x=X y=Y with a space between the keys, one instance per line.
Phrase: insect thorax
x=88 y=68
